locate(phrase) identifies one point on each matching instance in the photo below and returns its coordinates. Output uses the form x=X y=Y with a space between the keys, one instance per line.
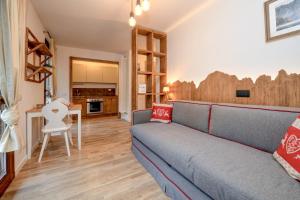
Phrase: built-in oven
x=94 y=106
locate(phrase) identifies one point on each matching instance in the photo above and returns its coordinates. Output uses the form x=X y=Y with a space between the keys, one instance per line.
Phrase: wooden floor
x=105 y=168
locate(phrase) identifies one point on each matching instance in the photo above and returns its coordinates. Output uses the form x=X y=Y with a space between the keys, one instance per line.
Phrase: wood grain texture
x=105 y=168
x=219 y=87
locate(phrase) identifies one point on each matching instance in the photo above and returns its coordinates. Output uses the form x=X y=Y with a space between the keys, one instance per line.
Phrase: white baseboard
x=20 y=165
x=125 y=116
x=24 y=159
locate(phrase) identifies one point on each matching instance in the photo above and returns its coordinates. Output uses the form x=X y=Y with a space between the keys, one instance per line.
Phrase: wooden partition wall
x=219 y=87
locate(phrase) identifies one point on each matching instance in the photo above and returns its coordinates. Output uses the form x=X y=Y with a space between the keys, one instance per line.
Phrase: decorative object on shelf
x=140 y=6
x=139 y=67
x=36 y=72
x=166 y=90
x=154 y=77
x=282 y=18
x=142 y=88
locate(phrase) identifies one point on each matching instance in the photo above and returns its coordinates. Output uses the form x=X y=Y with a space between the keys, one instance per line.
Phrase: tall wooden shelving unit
x=156 y=55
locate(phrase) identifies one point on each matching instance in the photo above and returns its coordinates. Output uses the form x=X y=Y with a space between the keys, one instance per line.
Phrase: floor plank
x=105 y=168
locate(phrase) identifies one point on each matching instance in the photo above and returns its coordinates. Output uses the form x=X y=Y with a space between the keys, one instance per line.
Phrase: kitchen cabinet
x=81 y=101
x=95 y=74
x=110 y=105
x=79 y=73
x=110 y=74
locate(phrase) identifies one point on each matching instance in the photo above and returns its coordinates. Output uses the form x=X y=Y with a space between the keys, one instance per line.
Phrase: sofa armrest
x=141 y=116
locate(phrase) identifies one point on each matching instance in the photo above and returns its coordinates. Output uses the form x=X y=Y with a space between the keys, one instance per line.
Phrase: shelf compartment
x=146 y=94
x=143 y=31
x=160 y=74
x=144 y=52
x=159 y=35
x=39 y=48
x=144 y=73
x=41 y=72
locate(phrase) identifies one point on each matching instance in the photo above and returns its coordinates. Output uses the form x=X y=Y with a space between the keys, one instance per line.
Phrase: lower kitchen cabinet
x=110 y=105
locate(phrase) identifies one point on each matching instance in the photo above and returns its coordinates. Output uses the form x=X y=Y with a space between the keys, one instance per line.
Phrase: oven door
x=95 y=107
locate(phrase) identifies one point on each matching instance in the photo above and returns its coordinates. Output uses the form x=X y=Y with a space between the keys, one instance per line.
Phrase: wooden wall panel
x=219 y=87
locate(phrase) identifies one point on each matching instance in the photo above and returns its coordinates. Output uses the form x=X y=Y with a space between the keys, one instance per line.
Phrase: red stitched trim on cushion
x=187 y=196
x=254 y=108
x=209 y=118
x=216 y=104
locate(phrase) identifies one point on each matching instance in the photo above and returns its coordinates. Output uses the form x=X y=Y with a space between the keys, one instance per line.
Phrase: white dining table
x=74 y=109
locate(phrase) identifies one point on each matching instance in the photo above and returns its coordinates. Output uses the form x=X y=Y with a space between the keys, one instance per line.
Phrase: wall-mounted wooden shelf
x=149 y=66
x=36 y=71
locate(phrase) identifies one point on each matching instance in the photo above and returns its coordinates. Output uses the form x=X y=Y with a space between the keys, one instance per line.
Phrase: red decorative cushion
x=162 y=113
x=288 y=152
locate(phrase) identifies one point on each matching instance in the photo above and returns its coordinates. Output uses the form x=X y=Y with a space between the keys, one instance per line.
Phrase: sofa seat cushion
x=222 y=169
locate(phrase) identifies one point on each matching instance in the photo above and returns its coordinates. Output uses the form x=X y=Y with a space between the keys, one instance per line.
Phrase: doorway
x=95 y=85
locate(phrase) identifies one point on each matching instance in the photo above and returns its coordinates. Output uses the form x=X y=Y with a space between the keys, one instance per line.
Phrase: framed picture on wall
x=282 y=18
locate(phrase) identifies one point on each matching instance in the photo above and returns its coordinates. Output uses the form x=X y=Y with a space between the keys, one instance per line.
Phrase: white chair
x=54 y=113
x=69 y=119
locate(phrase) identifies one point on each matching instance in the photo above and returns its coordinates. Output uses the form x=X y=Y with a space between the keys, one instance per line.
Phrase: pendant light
x=131 y=21
x=138 y=8
x=146 y=5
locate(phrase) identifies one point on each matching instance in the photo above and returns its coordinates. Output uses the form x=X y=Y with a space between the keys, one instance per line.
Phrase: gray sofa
x=216 y=151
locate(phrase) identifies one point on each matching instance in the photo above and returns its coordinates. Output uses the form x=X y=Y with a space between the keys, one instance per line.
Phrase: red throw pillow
x=162 y=113
x=288 y=152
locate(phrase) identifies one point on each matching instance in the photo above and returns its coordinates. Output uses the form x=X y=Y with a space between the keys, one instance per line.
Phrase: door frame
x=72 y=58
x=10 y=172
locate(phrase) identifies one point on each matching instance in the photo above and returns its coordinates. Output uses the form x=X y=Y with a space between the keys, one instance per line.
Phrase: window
x=7 y=167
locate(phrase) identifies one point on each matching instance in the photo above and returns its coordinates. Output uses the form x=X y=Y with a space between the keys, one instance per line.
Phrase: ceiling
x=103 y=24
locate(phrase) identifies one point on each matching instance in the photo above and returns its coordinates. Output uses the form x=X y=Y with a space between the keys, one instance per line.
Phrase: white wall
x=63 y=71
x=31 y=93
x=228 y=36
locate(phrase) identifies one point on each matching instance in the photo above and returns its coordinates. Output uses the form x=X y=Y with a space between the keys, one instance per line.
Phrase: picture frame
x=282 y=19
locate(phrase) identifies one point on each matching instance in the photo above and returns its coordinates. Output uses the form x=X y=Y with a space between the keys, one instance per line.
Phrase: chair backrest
x=54 y=113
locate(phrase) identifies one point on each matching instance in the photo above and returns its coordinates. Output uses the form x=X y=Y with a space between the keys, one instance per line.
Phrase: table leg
x=79 y=130
x=29 y=135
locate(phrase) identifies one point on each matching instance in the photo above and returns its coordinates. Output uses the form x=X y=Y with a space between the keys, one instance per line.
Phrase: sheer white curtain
x=12 y=55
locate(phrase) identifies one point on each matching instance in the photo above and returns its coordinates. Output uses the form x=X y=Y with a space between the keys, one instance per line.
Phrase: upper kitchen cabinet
x=95 y=72
x=79 y=73
x=110 y=74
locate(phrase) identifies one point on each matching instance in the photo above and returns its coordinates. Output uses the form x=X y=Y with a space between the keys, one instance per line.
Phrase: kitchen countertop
x=91 y=97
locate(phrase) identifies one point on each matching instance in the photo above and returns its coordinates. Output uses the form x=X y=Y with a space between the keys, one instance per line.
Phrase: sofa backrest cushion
x=259 y=127
x=193 y=115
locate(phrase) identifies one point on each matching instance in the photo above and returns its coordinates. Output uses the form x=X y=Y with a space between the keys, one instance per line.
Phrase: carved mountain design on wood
x=219 y=87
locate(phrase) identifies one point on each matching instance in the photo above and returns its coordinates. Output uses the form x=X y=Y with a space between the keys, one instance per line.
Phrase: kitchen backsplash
x=94 y=91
